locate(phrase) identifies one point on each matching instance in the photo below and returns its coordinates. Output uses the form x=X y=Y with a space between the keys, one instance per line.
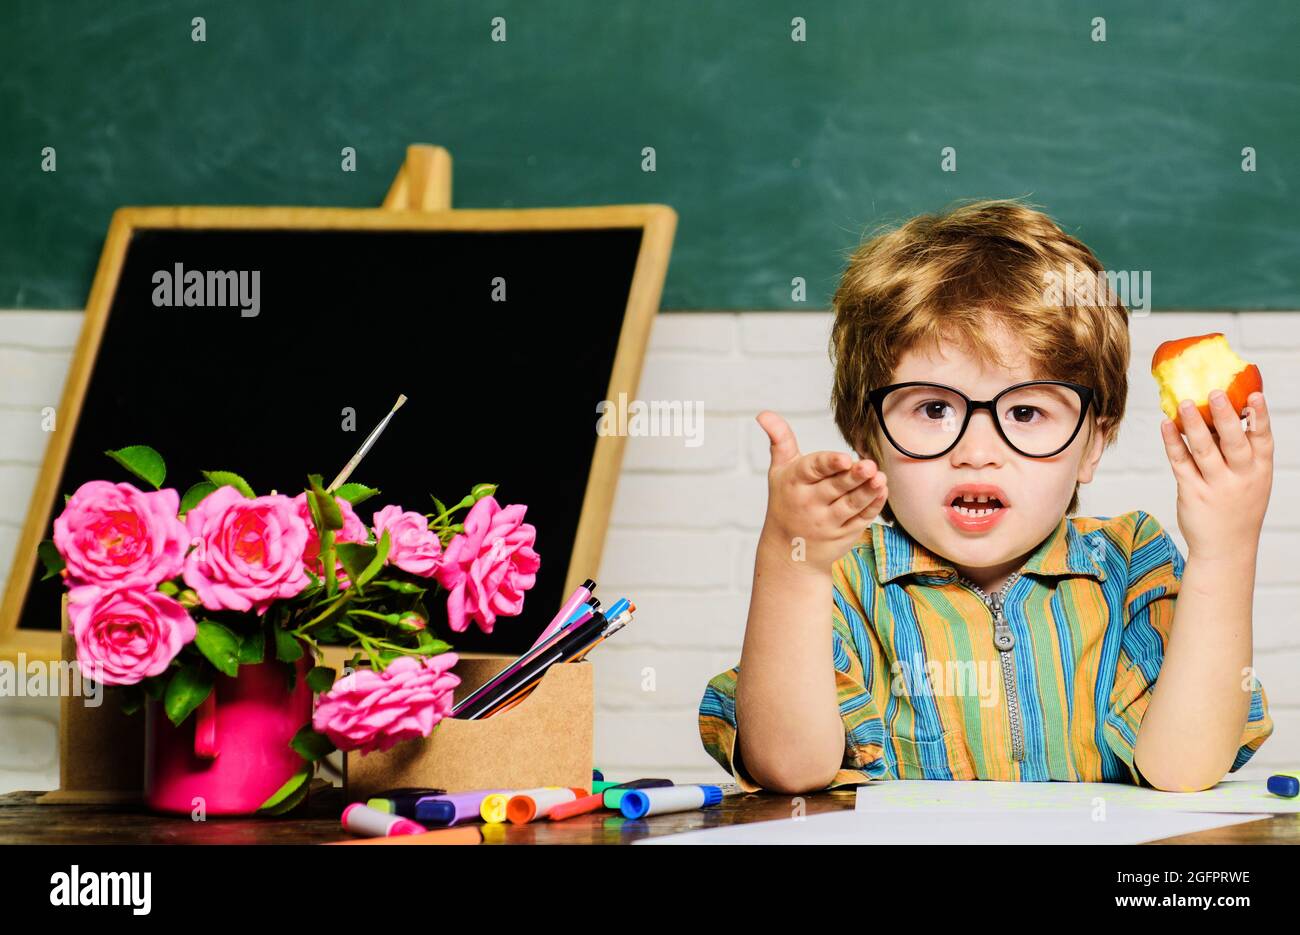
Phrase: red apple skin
x=1248 y=380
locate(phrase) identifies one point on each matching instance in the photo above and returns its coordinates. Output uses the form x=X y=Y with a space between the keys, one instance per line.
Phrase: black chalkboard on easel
x=354 y=307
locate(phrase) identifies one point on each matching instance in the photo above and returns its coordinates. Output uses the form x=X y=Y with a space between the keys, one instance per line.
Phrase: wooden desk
x=22 y=821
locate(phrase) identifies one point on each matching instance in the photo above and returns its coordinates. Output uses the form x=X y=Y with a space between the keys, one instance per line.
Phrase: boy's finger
x=821 y=464
x=867 y=514
x=1232 y=440
x=1259 y=428
x=830 y=488
x=854 y=501
x=1180 y=459
x=783 y=446
x=1204 y=449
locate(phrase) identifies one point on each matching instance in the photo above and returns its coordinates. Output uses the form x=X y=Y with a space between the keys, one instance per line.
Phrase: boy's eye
x=936 y=409
x=1024 y=414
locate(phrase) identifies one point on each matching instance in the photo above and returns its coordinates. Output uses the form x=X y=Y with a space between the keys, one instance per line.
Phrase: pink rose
x=353 y=531
x=124 y=635
x=413 y=547
x=114 y=535
x=249 y=552
x=489 y=566
x=371 y=711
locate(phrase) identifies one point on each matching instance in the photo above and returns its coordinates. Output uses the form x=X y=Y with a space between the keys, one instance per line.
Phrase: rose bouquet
x=168 y=591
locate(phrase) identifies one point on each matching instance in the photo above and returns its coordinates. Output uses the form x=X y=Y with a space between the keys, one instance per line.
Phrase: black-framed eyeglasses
x=1037 y=418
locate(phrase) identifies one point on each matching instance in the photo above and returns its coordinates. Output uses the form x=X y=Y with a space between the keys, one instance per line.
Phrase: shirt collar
x=1064 y=552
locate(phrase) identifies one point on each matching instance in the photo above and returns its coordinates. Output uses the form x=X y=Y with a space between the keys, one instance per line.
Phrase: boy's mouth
x=976 y=507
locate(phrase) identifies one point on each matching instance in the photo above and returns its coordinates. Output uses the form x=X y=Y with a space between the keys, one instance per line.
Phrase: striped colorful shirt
x=924 y=692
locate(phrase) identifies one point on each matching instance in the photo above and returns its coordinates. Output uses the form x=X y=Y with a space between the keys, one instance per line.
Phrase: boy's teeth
x=969 y=506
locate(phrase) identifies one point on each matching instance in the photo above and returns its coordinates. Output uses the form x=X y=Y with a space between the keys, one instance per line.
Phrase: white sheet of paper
x=925 y=796
x=966 y=827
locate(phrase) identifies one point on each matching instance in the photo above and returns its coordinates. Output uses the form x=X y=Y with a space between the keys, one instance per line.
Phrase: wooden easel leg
x=423 y=183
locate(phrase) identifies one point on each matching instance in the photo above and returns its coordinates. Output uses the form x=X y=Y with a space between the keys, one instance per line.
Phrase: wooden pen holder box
x=544 y=740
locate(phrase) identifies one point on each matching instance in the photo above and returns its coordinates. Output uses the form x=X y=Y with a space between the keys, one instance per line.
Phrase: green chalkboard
x=776 y=154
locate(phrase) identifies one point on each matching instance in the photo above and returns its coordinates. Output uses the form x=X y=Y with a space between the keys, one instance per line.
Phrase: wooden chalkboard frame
x=657 y=222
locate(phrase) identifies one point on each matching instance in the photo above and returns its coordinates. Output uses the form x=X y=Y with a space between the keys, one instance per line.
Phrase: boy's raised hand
x=825 y=499
x=1223 y=482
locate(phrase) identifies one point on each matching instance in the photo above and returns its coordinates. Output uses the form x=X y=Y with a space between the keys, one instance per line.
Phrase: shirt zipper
x=1004 y=640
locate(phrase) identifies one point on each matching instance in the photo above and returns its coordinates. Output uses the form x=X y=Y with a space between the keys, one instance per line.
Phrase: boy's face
x=1037 y=490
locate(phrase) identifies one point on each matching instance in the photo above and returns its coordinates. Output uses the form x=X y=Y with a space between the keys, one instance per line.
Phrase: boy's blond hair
x=944 y=278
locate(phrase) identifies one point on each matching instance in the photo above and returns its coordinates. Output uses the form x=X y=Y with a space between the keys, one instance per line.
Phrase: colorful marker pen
x=579 y=806
x=524 y=808
x=566 y=610
x=402 y=802
x=614 y=794
x=638 y=803
x=470 y=834
x=364 y=820
x=452 y=808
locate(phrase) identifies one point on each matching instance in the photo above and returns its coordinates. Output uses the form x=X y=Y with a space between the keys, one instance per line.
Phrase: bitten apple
x=1190 y=368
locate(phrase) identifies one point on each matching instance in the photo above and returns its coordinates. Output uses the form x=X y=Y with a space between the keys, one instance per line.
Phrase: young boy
x=983 y=633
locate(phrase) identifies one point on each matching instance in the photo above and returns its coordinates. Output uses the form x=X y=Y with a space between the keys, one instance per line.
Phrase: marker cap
x=435 y=812
x=1285 y=786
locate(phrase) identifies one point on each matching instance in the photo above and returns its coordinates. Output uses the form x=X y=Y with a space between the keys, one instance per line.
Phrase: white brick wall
x=35 y=351
x=685 y=519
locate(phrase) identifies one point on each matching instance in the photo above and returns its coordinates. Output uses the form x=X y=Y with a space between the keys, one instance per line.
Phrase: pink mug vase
x=232 y=753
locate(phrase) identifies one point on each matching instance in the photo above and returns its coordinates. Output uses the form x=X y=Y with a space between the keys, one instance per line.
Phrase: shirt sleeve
x=1154 y=577
x=864 y=732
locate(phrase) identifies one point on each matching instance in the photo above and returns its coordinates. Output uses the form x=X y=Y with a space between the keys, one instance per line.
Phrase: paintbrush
x=365 y=446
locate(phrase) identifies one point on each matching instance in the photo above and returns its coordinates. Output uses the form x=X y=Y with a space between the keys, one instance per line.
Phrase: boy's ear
x=1094 y=445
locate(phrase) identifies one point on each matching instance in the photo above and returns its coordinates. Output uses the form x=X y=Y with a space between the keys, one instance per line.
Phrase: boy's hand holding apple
x=1224 y=472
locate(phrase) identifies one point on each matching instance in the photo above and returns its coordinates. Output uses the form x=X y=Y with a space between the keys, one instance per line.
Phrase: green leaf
x=329 y=560
x=355 y=493
x=356 y=557
x=316 y=522
x=230 y=478
x=219 y=645
x=188 y=689
x=288 y=795
x=330 y=512
x=331 y=611
x=252 y=648
x=376 y=563
x=288 y=648
x=170 y=588
x=438 y=503
x=326 y=635
x=50 y=556
x=194 y=495
x=433 y=647
x=143 y=462
x=321 y=678
x=311 y=746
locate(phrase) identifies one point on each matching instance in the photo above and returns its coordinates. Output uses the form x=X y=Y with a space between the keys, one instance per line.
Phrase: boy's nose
x=981 y=444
